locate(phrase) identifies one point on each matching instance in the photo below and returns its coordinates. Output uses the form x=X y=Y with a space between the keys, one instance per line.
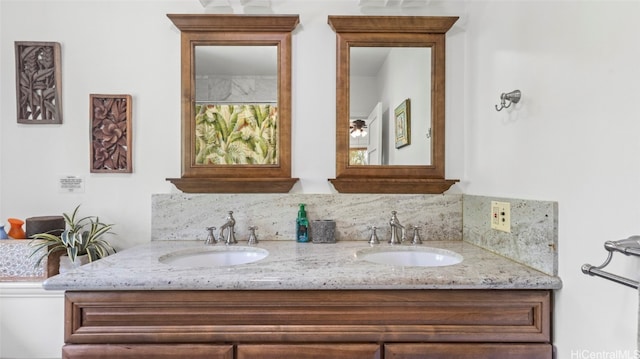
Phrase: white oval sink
x=214 y=256
x=410 y=256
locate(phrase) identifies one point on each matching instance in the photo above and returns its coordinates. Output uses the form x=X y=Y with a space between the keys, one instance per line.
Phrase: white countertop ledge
x=300 y=266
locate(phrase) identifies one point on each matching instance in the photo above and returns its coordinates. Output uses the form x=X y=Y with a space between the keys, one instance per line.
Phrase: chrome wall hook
x=506 y=99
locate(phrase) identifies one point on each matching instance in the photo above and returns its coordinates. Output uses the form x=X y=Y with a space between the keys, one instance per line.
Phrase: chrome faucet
x=397 y=230
x=229 y=225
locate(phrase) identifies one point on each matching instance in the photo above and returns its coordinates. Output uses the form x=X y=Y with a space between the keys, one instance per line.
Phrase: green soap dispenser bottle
x=302 y=225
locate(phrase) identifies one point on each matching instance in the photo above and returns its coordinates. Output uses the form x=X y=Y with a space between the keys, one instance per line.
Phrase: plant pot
x=66 y=264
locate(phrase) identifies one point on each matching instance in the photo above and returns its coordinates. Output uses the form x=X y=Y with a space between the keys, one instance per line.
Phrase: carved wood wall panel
x=111 y=136
x=38 y=82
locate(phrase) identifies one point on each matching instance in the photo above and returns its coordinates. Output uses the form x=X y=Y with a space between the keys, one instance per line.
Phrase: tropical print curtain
x=236 y=134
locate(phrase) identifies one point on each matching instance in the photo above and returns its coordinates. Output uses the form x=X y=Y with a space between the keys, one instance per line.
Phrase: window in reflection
x=358 y=156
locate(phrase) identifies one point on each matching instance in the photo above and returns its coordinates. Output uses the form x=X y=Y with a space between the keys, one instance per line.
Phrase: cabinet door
x=468 y=351
x=309 y=351
x=147 y=351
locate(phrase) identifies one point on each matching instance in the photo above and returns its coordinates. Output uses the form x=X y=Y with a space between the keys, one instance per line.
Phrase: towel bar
x=629 y=246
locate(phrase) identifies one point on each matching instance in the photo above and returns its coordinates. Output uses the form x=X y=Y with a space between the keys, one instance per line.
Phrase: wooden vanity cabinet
x=309 y=324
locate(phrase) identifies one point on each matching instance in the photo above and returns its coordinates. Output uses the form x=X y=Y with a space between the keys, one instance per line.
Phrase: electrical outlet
x=501 y=216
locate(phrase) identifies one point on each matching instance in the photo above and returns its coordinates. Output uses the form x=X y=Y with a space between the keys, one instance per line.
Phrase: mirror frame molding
x=371 y=31
x=216 y=29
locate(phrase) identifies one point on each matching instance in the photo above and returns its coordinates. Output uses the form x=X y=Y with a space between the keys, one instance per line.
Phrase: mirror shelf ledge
x=233 y=185
x=392 y=185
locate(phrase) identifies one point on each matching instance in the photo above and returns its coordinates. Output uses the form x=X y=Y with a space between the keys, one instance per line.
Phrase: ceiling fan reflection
x=358 y=128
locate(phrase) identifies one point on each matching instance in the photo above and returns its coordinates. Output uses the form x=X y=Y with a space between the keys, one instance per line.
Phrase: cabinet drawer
x=366 y=316
x=468 y=351
x=309 y=351
x=147 y=351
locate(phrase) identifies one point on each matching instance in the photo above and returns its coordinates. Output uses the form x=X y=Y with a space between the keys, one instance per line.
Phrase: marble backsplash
x=534 y=231
x=186 y=216
x=533 y=240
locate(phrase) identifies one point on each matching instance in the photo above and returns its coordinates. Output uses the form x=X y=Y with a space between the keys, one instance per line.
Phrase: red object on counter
x=16 y=231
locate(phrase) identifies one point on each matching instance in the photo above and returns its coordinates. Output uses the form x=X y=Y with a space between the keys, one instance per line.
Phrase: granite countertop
x=299 y=266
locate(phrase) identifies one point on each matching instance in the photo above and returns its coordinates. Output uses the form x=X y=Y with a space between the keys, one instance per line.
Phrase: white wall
x=114 y=47
x=397 y=86
x=572 y=139
x=364 y=95
x=31 y=321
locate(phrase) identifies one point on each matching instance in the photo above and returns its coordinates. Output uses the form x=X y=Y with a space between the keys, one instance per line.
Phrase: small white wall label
x=71 y=184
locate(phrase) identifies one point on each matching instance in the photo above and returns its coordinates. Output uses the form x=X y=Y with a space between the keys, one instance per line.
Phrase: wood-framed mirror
x=390 y=88
x=236 y=103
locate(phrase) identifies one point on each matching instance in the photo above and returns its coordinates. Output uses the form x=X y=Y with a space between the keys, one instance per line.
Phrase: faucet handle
x=253 y=239
x=211 y=239
x=416 y=235
x=374 y=236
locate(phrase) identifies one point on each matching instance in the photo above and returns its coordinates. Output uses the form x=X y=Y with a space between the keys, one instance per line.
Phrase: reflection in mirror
x=381 y=79
x=239 y=74
x=229 y=134
x=236 y=111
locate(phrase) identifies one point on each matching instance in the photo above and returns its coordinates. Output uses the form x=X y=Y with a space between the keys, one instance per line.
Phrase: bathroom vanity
x=305 y=300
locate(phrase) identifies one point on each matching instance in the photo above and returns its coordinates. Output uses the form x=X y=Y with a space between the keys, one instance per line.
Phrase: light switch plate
x=501 y=216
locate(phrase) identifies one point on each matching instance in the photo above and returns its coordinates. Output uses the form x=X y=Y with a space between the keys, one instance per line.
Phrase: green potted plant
x=82 y=238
